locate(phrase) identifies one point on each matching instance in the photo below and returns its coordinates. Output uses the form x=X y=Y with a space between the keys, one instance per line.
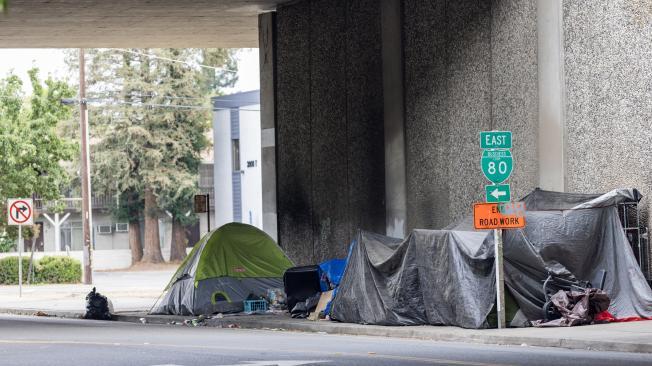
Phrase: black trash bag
x=97 y=306
x=302 y=309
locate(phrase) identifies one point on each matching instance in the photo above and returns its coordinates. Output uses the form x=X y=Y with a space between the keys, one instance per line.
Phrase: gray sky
x=50 y=62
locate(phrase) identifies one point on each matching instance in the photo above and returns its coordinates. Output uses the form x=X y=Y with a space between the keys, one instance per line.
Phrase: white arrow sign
x=498 y=193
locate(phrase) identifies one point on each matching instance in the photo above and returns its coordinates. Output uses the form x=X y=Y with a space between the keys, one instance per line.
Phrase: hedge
x=46 y=270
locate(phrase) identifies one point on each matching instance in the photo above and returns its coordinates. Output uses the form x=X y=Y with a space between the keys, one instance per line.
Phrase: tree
x=128 y=208
x=151 y=128
x=31 y=150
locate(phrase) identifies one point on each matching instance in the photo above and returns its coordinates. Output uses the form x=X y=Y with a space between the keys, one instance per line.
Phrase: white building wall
x=222 y=168
x=250 y=165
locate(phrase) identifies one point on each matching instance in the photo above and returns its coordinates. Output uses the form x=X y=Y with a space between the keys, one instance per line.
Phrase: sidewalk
x=128 y=291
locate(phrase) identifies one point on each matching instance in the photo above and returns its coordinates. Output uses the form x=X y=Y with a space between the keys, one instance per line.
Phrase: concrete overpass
x=371 y=108
x=132 y=23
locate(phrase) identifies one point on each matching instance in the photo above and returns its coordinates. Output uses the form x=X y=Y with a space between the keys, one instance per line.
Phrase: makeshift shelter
x=225 y=267
x=447 y=277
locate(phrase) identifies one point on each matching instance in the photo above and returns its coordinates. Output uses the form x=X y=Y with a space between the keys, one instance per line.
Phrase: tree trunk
x=152 y=247
x=134 y=242
x=179 y=242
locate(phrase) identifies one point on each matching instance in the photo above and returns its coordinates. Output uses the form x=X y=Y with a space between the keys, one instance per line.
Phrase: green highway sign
x=496 y=140
x=496 y=193
x=497 y=165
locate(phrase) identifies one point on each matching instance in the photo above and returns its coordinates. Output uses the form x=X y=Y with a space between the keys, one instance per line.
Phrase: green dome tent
x=225 y=267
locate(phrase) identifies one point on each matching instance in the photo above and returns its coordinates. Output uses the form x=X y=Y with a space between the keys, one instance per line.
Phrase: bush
x=6 y=244
x=9 y=270
x=58 y=270
x=47 y=270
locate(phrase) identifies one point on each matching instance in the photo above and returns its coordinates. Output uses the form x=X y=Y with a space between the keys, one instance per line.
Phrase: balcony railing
x=75 y=203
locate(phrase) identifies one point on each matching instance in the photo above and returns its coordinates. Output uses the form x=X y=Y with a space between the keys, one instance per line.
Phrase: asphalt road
x=49 y=341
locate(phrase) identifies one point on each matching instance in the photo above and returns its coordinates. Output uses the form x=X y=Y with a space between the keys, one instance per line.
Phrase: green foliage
x=153 y=123
x=6 y=243
x=47 y=270
x=9 y=270
x=31 y=151
x=58 y=270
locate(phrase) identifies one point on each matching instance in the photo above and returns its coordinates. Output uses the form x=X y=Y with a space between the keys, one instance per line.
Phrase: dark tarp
x=446 y=277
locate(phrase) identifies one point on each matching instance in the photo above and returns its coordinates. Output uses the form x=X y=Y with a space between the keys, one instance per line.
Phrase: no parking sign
x=20 y=211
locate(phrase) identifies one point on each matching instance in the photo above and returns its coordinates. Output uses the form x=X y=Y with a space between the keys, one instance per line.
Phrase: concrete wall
x=102 y=259
x=329 y=126
x=571 y=80
x=608 y=85
x=469 y=66
x=267 y=54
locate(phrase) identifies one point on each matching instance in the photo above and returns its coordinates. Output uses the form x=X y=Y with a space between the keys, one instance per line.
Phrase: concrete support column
x=552 y=144
x=267 y=51
x=394 y=120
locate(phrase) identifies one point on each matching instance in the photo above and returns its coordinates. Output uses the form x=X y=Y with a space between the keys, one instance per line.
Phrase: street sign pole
x=20 y=211
x=20 y=261
x=500 y=278
x=497 y=164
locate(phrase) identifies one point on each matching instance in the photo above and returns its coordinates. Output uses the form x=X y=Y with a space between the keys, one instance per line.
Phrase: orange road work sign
x=508 y=215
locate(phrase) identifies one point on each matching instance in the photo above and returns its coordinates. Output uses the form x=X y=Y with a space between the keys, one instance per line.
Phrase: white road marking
x=276 y=363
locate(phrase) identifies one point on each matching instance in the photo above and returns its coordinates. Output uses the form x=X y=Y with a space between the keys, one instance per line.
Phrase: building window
x=235 y=155
x=122 y=227
x=71 y=235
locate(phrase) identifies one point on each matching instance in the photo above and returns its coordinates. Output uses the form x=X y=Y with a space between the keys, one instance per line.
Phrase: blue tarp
x=332 y=270
x=331 y=275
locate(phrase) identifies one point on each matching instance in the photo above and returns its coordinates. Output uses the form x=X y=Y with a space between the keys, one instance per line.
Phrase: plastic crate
x=252 y=306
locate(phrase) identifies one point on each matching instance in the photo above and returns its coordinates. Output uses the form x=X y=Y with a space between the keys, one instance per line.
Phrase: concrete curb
x=440 y=334
x=46 y=313
x=433 y=333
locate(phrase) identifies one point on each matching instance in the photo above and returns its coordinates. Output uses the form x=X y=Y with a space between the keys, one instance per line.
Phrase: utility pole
x=85 y=173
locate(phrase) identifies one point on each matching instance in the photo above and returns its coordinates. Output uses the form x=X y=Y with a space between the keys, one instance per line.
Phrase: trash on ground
x=324 y=299
x=576 y=307
x=98 y=307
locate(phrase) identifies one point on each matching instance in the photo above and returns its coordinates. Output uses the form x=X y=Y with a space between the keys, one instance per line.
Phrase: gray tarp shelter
x=446 y=277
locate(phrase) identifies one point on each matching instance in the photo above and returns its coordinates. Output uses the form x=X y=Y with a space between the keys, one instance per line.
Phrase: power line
x=113 y=93
x=158 y=105
x=173 y=60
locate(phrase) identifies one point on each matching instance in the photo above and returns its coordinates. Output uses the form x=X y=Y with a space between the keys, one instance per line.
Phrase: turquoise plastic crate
x=252 y=306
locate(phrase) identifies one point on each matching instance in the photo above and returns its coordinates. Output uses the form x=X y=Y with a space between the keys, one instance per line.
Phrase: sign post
x=497 y=164
x=20 y=212
x=202 y=205
x=500 y=278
